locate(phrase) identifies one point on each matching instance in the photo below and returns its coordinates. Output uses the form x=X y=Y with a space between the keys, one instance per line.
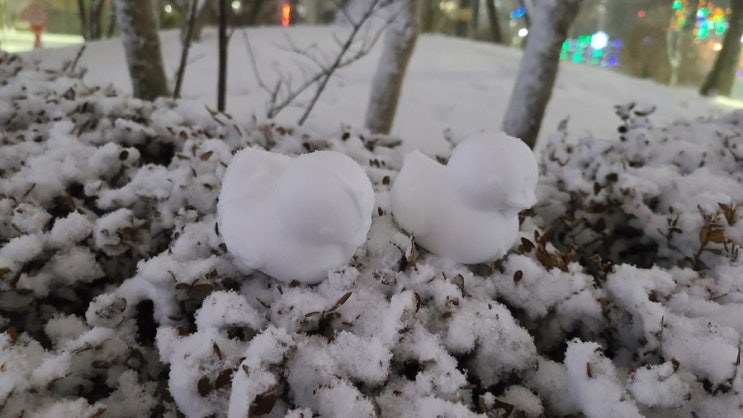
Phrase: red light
x=286 y=13
x=641 y=13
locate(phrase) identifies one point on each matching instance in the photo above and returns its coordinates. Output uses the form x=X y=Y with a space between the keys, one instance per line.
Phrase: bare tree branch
x=351 y=49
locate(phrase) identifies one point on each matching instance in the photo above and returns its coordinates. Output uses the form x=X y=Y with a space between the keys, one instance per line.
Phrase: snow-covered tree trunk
x=399 y=43
x=138 y=28
x=550 y=21
x=722 y=76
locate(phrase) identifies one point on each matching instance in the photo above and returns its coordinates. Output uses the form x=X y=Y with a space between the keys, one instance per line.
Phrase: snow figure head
x=467 y=211
x=494 y=172
x=294 y=218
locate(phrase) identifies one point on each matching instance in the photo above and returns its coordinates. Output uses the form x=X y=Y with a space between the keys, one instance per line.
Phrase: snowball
x=467 y=211
x=294 y=218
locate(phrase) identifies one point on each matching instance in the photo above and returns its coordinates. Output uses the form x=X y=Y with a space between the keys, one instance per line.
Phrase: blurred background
x=670 y=41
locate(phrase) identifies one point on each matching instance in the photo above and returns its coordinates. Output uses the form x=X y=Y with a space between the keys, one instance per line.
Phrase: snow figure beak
x=523 y=200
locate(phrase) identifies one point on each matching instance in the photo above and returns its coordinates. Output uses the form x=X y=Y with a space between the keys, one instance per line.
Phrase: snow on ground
x=118 y=297
x=452 y=84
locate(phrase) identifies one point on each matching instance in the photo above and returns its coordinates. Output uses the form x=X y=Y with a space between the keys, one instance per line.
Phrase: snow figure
x=467 y=211
x=294 y=218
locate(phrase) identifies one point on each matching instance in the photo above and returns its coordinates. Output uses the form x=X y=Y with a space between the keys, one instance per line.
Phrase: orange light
x=286 y=13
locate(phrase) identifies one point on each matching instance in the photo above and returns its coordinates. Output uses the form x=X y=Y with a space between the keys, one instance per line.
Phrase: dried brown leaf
x=223 y=379
x=204 y=386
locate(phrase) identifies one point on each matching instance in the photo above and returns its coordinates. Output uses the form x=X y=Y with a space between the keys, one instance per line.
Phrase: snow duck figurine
x=467 y=211
x=294 y=218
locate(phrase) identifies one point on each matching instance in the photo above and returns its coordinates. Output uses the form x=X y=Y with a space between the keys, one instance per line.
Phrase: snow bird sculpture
x=294 y=218
x=467 y=211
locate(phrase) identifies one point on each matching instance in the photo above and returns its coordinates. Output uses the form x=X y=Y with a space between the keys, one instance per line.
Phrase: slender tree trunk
x=495 y=32
x=222 y=74
x=190 y=23
x=84 y=26
x=427 y=13
x=111 y=21
x=550 y=22
x=680 y=41
x=96 y=14
x=722 y=76
x=142 y=46
x=399 y=43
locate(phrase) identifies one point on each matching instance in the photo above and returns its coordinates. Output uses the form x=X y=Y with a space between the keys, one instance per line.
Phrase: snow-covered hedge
x=117 y=296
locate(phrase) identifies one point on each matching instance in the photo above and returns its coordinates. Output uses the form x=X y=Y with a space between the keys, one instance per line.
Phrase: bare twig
x=186 y=47
x=70 y=66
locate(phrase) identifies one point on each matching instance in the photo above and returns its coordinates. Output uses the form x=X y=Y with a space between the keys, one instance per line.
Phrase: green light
x=577 y=57
x=703 y=32
x=677 y=5
x=597 y=53
x=720 y=29
x=563 y=55
x=565 y=46
x=703 y=12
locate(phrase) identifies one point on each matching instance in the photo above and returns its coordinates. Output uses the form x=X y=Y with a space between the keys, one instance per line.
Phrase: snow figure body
x=467 y=211
x=294 y=218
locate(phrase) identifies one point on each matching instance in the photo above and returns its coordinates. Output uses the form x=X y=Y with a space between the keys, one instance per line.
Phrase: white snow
x=119 y=296
x=467 y=211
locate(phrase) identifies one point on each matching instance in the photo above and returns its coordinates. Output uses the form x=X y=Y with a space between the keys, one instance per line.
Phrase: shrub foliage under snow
x=117 y=297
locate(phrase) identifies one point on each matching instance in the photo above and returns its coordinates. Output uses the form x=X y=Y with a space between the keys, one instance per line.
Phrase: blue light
x=518 y=13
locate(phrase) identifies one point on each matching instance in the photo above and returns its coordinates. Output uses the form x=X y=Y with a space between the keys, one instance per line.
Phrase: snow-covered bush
x=118 y=298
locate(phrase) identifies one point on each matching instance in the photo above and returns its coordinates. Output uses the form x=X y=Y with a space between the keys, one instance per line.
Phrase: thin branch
x=186 y=47
x=339 y=59
x=70 y=66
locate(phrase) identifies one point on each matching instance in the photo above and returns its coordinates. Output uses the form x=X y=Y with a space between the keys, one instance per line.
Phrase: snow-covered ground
x=452 y=84
x=621 y=297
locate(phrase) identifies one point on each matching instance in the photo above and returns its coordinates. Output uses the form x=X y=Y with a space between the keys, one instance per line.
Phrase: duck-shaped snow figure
x=294 y=218
x=467 y=211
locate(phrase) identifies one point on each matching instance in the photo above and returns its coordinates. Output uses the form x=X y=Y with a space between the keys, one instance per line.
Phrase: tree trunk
x=142 y=46
x=222 y=72
x=84 y=26
x=399 y=43
x=722 y=76
x=427 y=11
x=550 y=21
x=680 y=41
x=96 y=14
x=495 y=32
x=206 y=14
